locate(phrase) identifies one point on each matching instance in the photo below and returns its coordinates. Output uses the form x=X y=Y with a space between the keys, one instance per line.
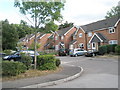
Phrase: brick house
x=42 y=39
x=102 y=32
x=63 y=37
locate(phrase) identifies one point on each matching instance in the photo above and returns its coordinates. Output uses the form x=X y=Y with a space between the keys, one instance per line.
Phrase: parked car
x=63 y=52
x=17 y=55
x=2 y=55
x=77 y=52
x=91 y=53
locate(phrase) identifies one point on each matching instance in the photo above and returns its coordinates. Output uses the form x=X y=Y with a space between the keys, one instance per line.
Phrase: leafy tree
x=51 y=26
x=115 y=11
x=32 y=46
x=66 y=24
x=9 y=35
x=40 y=12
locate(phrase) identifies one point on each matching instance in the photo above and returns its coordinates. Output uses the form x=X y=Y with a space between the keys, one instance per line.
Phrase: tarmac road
x=98 y=73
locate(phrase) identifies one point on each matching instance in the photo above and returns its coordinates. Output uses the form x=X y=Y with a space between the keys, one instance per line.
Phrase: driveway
x=98 y=72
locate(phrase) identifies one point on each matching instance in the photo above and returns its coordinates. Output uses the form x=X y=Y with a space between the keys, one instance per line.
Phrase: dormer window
x=111 y=30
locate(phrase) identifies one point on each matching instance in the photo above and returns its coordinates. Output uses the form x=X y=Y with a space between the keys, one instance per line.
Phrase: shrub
x=102 y=49
x=48 y=66
x=117 y=49
x=46 y=62
x=27 y=60
x=7 y=52
x=12 y=68
x=58 y=62
x=111 y=48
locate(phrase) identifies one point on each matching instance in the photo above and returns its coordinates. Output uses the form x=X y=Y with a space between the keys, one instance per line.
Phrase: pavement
x=68 y=73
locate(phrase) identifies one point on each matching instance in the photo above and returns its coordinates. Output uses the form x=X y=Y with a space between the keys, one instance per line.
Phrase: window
x=56 y=37
x=88 y=45
x=74 y=37
x=89 y=34
x=112 y=30
x=62 y=37
x=113 y=42
x=81 y=45
x=80 y=35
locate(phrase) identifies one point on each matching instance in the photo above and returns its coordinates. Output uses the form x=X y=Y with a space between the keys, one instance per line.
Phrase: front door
x=93 y=45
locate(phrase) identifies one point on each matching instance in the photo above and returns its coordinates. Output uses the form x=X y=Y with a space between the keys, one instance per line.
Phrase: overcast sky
x=80 y=12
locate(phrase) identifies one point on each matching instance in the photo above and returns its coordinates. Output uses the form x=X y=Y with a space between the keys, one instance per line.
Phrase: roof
x=40 y=35
x=109 y=22
x=63 y=31
x=72 y=42
x=98 y=37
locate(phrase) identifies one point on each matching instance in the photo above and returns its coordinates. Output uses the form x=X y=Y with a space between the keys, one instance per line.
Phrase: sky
x=79 y=12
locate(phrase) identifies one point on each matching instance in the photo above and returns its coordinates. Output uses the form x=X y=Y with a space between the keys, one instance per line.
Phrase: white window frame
x=113 y=42
x=89 y=34
x=62 y=37
x=111 y=30
x=80 y=35
x=56 y=37
x=89 y=46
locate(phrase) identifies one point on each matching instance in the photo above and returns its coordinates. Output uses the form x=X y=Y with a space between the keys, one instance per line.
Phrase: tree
x=115 y=11
x=9 y=35
x=51 y=26
x=66 y=24
x=40 y=12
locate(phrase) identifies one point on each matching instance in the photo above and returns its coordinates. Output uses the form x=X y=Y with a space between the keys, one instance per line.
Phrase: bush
x=102 y=49
x=7 y=52
x=12 y=68
x=117 y=49
x=58 y=62
x=27 y=60
x=111 y=48
x=46 y=62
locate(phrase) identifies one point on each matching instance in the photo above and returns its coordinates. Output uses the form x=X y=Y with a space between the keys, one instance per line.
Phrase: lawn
x=30 y=73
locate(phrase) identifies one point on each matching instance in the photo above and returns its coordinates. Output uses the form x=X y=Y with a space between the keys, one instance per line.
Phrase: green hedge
x=107 y=49
x=117 y=49
x=47 y=62
x=58 y=62
x=27 y=60
x=102 y=50
x=10 y=68
x=111 y=48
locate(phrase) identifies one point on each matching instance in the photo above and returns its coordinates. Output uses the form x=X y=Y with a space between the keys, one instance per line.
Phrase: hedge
x=27 y=60
x=10 y=68
x=117 y=49
x=111 y=48
x=102 y=50
x=107 y=49
x=47 y=62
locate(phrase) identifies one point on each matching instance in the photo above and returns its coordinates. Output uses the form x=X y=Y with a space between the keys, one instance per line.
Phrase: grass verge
x=29 y=74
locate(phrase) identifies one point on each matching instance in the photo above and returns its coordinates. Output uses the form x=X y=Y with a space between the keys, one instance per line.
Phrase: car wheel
x=12 y=60
x=76 y=55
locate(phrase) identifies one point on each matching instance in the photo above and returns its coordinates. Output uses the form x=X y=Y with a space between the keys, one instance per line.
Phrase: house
x=63 y=37
x=95 y=34
x=42 y=39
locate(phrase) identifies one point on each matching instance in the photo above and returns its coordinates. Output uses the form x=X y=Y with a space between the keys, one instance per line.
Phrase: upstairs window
x=111 y=30
x=89 y=34
x=62 y=37
x=80 y=35
x=56 y=37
